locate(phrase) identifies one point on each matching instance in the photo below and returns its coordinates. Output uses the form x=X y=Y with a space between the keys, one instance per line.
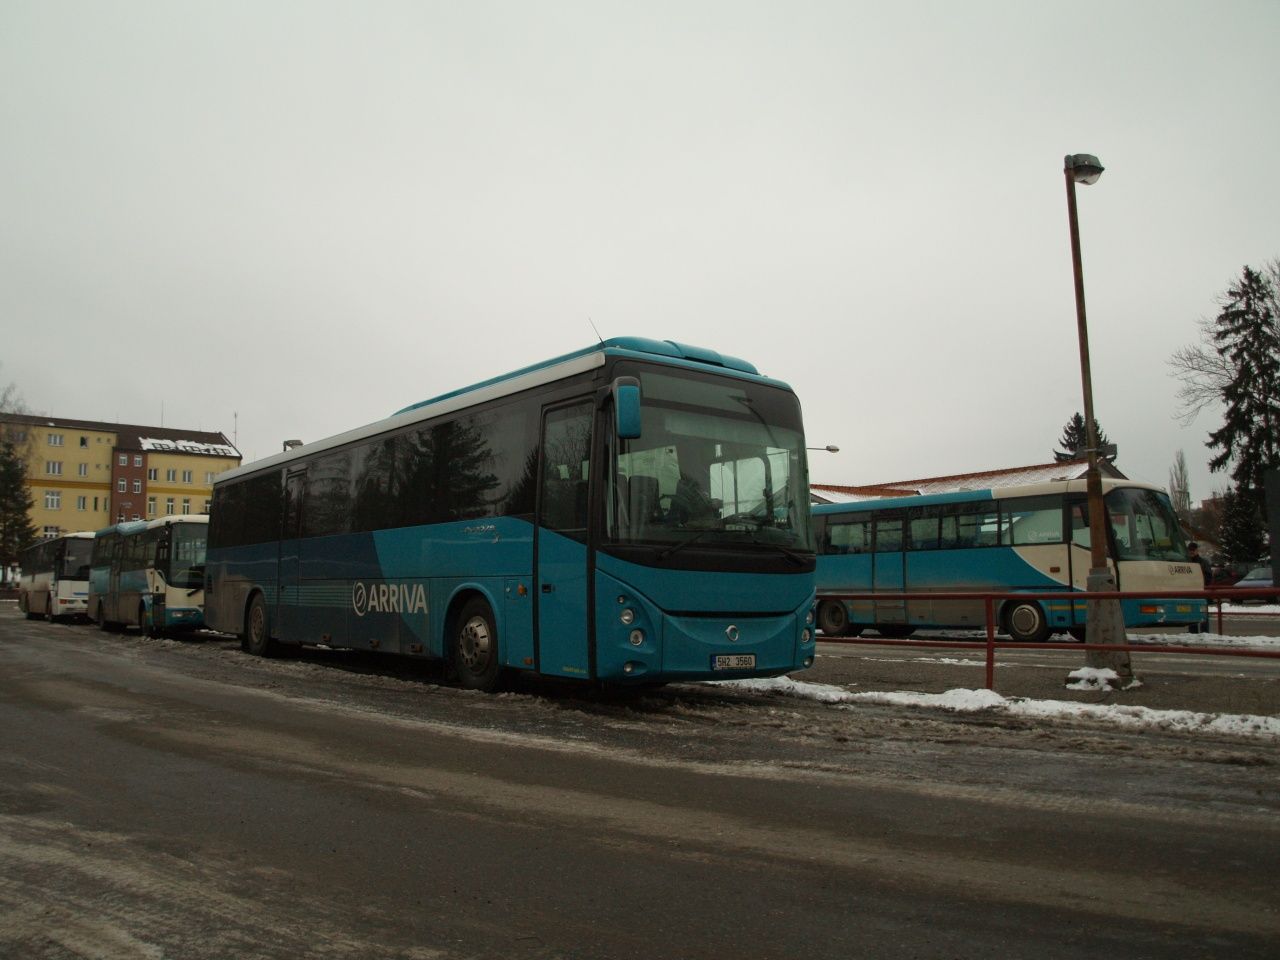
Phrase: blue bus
x=149 y=574
x=1019 y=538
x=633 y=512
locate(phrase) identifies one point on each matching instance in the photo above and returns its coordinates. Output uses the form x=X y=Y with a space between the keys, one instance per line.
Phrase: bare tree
x=1180 y=488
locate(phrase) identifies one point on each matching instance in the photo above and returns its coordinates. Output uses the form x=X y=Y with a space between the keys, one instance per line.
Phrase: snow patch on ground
x=973 y=701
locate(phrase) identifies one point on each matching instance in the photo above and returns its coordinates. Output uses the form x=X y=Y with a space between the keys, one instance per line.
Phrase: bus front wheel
x=256 y=639
x=146 y=623
x=833 y=618
x=475 y=647
x=1025 y=623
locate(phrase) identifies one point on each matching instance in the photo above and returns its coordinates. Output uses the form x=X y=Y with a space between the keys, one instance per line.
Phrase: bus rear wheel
x=833 y=618
x=1025 y=622
x=256 y=639
x=476 y=657
x=895 y=631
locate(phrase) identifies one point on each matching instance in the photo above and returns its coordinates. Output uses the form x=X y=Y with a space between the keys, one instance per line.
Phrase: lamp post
x=829 y=448
x=1105 y=621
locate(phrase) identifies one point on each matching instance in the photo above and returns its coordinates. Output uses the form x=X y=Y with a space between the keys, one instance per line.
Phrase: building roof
x=131 y=436
x=982 y=480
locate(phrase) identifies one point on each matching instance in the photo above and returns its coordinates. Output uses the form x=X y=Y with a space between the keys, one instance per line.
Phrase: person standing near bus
x=1206 y=571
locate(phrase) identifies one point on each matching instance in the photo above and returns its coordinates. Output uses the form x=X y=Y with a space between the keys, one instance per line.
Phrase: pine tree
x=1075 y=439
x=1246 y=337
x=1241 y=534
x=16 y=531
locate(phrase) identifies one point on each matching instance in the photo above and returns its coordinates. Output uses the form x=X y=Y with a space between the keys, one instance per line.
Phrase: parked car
x=1259 y=577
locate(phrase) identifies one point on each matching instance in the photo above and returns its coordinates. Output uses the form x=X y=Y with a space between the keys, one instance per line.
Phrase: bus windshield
x=1144 y=525
x=75 y=564
x=718 y=462
x=186 y=557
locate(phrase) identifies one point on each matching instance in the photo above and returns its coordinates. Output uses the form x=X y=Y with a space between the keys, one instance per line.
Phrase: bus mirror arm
x=626 y=407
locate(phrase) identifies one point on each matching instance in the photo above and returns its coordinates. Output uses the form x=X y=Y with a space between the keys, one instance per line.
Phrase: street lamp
x=1105 y=623
x=829 y=448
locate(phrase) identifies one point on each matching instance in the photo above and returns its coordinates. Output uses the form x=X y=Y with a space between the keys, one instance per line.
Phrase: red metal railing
x=990 y=599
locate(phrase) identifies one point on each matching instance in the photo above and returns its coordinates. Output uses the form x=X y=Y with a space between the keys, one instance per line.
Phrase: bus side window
x=977 y=525
x=950 y=532
x=1080 y=525
x=888 y=536
x=848 y=537
x=923 y=529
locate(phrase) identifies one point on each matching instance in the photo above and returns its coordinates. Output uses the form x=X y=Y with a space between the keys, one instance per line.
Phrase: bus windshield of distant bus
x=75 y=563
x=712 y=464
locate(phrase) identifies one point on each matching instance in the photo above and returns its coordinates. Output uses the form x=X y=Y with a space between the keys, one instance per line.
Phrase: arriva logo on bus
x=388 y=598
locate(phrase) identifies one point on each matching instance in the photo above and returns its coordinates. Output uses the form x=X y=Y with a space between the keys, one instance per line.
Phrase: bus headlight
x=809 y=618
x=628 y=616
x=806 y=635
x=636 y=638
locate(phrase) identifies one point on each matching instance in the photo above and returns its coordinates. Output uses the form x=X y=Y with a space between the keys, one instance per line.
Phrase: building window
x=137 y=486
x=51 y=532
x=84 y=441
x=120 y=486
x=53 y=499
x=53 y=468
x=171 y=475
x=208 y=478
x=55 y=439
x=124 y=459
x=137 y=459
x=168 y=506
x=82 y=469
x=186 y=476
x=82 y=503
x=153 y=474
x=151 y=506
x=208 y=505
x=136 y=517
x=186 y=506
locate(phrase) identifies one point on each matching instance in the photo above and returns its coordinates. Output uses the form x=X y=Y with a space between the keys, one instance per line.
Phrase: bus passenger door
x=888 y=575
x=288 y=612
x=561 y=545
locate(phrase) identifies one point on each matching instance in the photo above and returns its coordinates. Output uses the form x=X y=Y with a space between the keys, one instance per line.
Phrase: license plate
x=734 y=661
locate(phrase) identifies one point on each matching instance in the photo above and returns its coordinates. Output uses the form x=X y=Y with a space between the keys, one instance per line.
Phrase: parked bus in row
x=150 y=574
x=55 y=577
x=635 y=511
x=1006 y=540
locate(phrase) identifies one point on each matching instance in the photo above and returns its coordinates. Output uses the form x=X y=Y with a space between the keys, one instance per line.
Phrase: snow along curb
x=974 y=701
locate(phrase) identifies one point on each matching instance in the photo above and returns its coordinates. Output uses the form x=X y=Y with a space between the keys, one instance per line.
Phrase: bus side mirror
x=626 y=407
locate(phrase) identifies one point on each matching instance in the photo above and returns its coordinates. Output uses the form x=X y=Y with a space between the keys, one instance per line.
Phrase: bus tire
x=1025 y=622
x=895 y=631
x=256 y=639
x=476 y=656
x=833 y=618
x=48 y=610
x=146 y=626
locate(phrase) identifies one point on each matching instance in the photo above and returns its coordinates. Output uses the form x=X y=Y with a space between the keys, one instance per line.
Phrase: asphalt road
x=178 y=799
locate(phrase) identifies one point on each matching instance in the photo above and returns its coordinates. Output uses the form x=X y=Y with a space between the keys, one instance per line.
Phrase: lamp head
x=1083 y=167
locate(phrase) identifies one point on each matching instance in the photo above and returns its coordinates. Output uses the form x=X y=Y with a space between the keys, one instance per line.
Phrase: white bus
x=55 y=577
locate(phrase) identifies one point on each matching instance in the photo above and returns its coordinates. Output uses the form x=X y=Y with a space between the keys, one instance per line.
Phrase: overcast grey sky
x=313 y=214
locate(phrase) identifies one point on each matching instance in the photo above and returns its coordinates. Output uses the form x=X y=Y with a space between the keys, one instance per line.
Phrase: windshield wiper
x=675 y=548
x=791 y=555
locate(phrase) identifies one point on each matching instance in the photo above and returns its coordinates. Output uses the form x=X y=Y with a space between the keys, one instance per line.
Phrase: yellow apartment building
x=86 y=475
